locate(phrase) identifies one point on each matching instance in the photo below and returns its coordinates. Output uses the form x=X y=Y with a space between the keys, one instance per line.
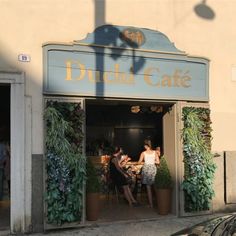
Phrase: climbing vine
x=198 y=160
x=65 y=164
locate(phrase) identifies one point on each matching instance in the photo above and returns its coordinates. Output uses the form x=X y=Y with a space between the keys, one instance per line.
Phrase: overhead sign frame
x=125 y=62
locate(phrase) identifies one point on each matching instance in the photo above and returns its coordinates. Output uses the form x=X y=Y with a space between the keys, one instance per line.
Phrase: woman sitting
x=120 y=177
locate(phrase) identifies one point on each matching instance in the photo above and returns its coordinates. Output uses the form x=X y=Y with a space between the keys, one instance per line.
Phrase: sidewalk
x=161 y=226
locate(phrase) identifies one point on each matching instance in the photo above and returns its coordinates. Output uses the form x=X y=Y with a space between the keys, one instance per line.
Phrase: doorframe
x=20 y=199
x=170 y=152
x=170 y=145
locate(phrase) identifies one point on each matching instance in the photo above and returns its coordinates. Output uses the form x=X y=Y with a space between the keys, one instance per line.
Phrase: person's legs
x=149 y=193
x=131 y=195
x=126 y=193
x=1 y=182
x=9 y=186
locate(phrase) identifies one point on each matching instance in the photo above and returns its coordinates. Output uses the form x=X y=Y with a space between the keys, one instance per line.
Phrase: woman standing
x=120 y=176
x=150 y=159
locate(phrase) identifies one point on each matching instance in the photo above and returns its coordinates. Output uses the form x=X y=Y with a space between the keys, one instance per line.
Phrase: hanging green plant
x=65 y=164
x=198 y=160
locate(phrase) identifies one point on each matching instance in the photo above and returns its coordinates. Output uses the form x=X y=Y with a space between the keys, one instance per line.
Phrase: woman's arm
x=124 y=162
x=141 y=158
x=157 y=159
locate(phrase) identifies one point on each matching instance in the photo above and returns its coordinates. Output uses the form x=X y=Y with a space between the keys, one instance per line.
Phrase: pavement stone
x=159 y=227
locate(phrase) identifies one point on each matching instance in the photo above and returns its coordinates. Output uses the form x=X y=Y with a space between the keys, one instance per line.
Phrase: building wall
x=27 y=25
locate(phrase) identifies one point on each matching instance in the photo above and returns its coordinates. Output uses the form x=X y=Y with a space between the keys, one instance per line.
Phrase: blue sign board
x=125 y=62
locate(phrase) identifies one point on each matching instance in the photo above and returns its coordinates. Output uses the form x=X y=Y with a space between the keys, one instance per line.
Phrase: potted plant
x=163 y=187
x=93 y=187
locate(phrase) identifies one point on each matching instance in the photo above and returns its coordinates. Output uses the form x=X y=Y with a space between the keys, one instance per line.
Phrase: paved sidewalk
x=162 y=226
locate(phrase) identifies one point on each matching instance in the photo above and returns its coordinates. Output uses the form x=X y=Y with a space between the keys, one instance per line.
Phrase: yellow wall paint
x=25 y=25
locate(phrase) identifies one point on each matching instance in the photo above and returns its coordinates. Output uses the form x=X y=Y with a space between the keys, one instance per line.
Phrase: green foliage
x=198 y=160
x=65 y=164
x=163 y=178
x=93 y=184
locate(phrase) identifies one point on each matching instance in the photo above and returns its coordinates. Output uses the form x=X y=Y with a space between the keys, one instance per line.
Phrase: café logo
x=133 y=37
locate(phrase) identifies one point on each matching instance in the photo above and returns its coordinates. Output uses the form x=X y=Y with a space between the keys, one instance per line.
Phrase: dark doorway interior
x=132 y=139
x=5 y=156
x=5 y=112
x=110 y=123
x=127 y=124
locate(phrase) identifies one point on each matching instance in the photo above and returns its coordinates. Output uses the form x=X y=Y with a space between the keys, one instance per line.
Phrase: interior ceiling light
x=160 y=109
x=153 y=108
x=157 y=109
x=135 y=109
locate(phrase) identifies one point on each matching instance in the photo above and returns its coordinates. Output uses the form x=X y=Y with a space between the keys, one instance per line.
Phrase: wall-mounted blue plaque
x=125 y=62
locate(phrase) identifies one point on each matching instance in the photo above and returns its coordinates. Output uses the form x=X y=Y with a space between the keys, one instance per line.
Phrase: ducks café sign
x=121 y=62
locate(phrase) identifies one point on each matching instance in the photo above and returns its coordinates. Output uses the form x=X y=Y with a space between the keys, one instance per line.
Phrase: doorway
x=5 y=95
x=127 y=124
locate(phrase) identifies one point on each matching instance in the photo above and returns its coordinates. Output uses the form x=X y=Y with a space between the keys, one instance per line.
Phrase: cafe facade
x=124 y=80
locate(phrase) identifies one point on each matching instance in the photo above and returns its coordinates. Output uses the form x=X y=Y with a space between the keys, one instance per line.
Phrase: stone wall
x=224 y=185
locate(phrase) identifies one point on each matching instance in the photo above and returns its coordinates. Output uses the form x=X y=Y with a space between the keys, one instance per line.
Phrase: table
x=134 y=170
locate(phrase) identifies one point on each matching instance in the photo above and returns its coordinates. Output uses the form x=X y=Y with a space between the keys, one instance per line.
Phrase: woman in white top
x=150 y=159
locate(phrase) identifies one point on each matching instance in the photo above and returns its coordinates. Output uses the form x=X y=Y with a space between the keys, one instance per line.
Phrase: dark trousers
x=1 y=182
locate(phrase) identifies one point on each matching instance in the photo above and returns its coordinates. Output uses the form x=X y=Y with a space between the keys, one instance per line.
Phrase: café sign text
x=153 y=76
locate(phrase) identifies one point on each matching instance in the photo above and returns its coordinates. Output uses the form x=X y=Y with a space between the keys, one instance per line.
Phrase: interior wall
x=116 y=125
x=133 y=139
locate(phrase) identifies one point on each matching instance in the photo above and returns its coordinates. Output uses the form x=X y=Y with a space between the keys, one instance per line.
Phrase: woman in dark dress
x=120 y=177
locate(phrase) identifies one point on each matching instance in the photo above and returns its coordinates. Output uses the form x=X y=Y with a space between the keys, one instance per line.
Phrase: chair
x=111 y=187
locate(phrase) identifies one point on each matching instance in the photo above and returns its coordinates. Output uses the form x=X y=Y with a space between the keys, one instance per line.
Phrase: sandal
x=136 y=204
